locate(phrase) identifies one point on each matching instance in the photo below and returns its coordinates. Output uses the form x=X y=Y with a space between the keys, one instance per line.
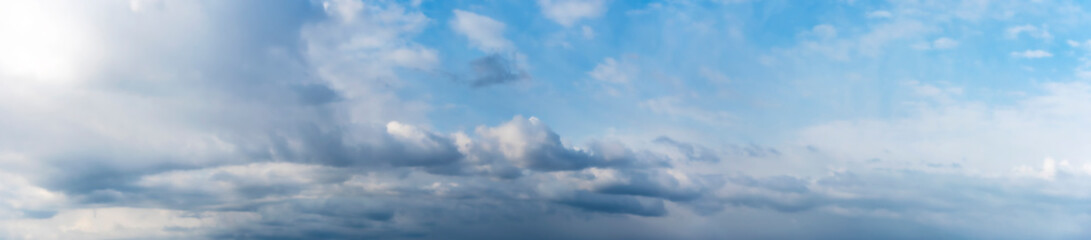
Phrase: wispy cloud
x=1032 y=54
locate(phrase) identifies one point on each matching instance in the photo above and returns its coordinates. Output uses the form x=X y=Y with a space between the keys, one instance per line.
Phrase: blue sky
x=545 y=119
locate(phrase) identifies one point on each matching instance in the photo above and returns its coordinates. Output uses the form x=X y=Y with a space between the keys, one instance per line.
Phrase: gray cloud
x=691 y=151
x=654 y=184
x=496 y=69
x=615 y=204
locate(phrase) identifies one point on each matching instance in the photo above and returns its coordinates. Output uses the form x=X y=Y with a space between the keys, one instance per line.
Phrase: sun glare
x=40 y=40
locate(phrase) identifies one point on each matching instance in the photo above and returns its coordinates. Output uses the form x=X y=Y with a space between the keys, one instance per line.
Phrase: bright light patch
x=40 y=40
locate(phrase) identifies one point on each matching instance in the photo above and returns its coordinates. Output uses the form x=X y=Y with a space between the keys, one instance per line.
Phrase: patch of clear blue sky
x=677 y=39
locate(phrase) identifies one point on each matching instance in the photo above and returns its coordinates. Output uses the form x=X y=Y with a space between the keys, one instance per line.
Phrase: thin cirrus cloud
x=151 y=119
x=1032 y=54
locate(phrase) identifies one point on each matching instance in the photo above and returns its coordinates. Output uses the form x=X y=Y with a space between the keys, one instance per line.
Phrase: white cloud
x=124 y=222
x=938 y=44
x=518 y=138
x=223 y=181
x=879 y=14
x=1047 y=172
x=825 y=40
x=568 y=12
x=824 y=31
x=944 y=43
x=713 y=76
x=962 y=132
x=1030 y=30
x=346 y=10
x=484 y=33
x=20 y=197
x=1072 y=43
x=610 y=70
x=358 y=55
x=932 y=92
x=145 y=5
x=587 y=32
x=1032 y=54
x=673 y=106
x=873 y=43
x=414 y=57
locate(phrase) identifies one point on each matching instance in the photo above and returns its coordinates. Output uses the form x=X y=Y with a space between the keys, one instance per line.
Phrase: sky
x=545 y=119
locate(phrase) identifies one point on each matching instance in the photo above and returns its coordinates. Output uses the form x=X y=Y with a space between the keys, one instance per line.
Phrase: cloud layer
x=150 y=119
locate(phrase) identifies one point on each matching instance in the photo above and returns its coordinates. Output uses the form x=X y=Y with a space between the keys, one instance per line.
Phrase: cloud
x=145 y=5
x=673 y=106
x=236 y=184
x=418 y=147
x=873 y=42
x=1032 y=54
x=613 y=72
x=124 y=222
x=529 y=143
x=587 y=32
x=655 y=183
x=1029 y=30
x=825 y=40
x=944 y=43
x=879 y=14
x=307 y=120
x=483 y=32
x=568 y=12
x=615 y=204
x=313 y=105
x=33 y=40
x=689 y=150
x=824 y=31
x=502 y=64
x=496 y=69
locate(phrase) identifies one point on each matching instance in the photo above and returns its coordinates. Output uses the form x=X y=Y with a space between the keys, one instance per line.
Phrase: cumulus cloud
x=529 y=143
x=417 y=147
